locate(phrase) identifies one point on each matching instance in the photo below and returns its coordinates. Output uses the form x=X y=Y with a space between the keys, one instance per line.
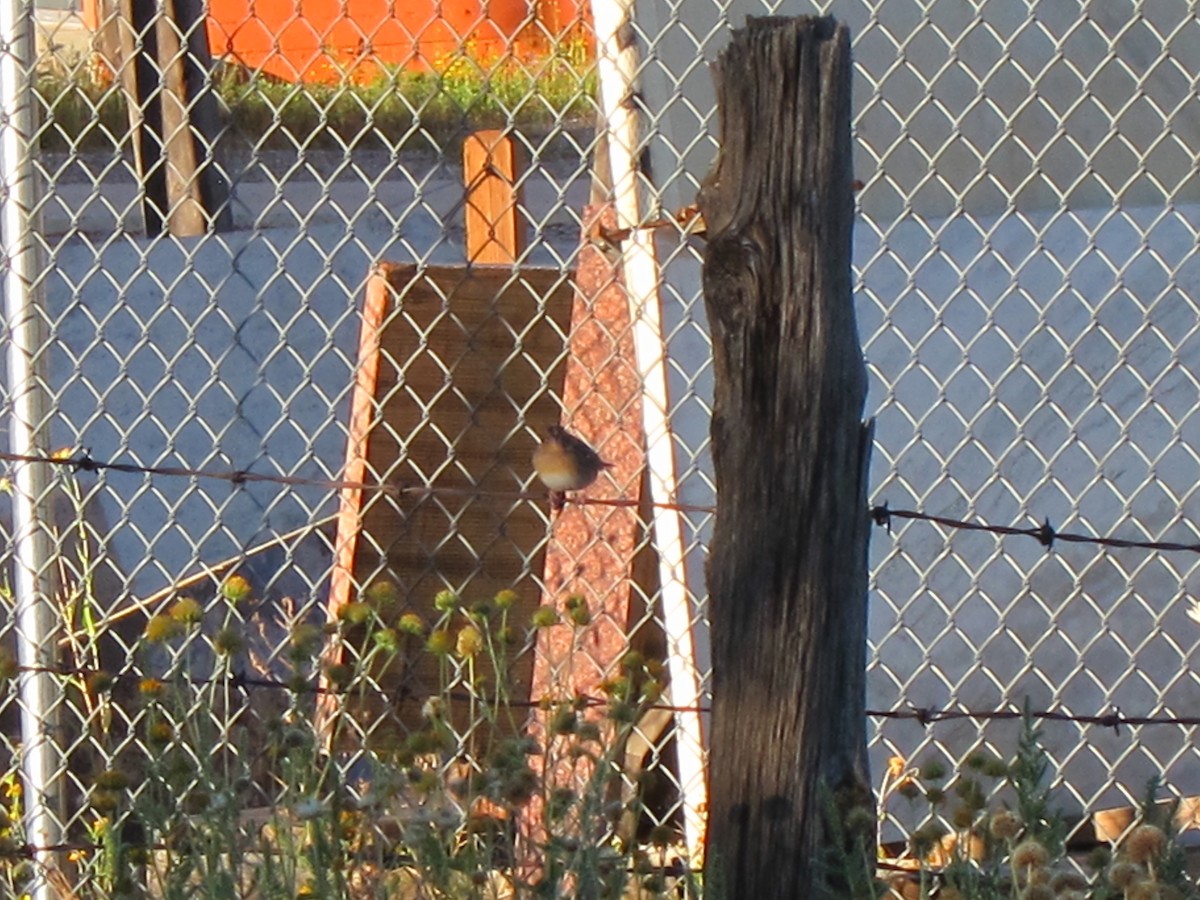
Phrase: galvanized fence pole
x=28 y=418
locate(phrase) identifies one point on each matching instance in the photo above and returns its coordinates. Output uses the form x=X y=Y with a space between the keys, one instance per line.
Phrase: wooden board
x=459 y=369
x=495 y=227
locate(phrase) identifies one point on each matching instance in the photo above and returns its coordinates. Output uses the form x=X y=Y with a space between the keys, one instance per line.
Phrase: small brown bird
x=565 y=463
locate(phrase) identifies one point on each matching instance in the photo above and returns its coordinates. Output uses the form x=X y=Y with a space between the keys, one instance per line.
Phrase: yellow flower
x=161 y=628
x=440 y=642
x=112 y=780
x=895 y=766
x=236 y=589
x=387 y=639
x=187 y=611
x=9 y=667
x=469 y=642
x=100 y=681
x=355 y=613
x=544 y=617
x=382 y=594
x=411 y=623
x=445 y=601
x=151 y=688
x=160 y=733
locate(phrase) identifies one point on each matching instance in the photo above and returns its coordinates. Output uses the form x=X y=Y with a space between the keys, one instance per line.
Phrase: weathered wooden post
x=787 y=571
x=166 y=69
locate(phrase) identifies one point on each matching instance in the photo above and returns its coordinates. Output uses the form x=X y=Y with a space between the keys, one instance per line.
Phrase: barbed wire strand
x=926 y=716
x=882 y=514
x=1044 y=534
x=84 y=462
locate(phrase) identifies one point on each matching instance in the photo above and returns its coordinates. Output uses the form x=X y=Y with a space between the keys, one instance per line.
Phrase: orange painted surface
x=327 y=40
x=594 y=549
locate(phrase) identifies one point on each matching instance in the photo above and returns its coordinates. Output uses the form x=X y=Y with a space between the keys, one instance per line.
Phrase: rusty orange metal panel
x=328 y=40
x=596 y=551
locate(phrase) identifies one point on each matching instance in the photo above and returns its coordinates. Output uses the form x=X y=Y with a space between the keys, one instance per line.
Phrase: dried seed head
x=1030 y=854
x=1145 y=890
x=1124 y=874
x=1005 y=825
x=1068 y=881
x=1099 y=858
x=1145 y=843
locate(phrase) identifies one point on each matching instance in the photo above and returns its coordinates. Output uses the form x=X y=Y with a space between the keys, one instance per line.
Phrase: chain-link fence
x=354 y=441
x=1025 y=264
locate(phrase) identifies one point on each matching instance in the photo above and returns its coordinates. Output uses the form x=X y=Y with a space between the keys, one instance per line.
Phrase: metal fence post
x=28 y=418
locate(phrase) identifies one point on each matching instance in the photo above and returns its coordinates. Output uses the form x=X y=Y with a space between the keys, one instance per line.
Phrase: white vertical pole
x=617 y=63
x=32 y=545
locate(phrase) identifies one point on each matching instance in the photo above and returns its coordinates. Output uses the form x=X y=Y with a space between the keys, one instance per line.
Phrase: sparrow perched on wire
x=564 y=463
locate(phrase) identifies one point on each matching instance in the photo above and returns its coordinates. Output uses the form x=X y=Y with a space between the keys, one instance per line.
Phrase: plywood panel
x=460 y=369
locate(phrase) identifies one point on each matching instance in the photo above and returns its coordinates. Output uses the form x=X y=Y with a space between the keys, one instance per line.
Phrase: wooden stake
x=185 y=206
x=165 y=68
x=364 y=415
x=492 y=172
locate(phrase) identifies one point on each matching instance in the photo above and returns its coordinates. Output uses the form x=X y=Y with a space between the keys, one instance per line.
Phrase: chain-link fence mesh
x=1025 y=262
